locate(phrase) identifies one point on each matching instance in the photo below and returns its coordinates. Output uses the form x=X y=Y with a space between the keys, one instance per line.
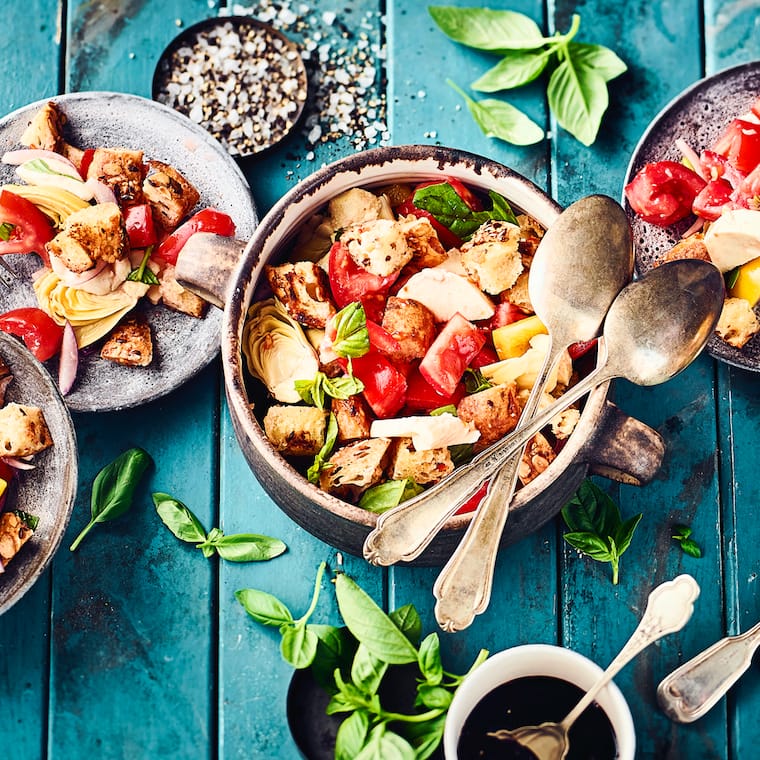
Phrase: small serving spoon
x=655 y=328
x=581 y=264
x=669 y=607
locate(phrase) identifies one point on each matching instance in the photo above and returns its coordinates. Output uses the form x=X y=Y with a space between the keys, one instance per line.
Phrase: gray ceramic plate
x=698 y=115
x=48 y=491
x=182 y=345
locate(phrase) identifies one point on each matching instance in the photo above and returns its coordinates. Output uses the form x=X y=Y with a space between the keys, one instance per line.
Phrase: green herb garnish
x=43 y=167
x=391 y=493
x=597 y=529
x=475 y=381
x=314 y=391
x=143 y=273
x=351 y=334
x=682 y=534
x=31 y=521
x=114 y=488
x=312 y=474
x=731 y=277
x=6 y=230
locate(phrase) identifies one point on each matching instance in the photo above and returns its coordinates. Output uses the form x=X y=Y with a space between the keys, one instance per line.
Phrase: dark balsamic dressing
x=529 y=701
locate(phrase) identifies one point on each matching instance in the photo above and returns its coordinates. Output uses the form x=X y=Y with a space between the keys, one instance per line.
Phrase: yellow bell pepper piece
x=747 y=285
x=514 y=339
x=3 y=486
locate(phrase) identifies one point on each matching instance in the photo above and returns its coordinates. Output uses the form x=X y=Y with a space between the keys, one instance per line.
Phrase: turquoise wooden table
x=134 y=647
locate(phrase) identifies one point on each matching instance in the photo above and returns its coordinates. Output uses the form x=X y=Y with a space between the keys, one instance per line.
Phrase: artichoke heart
x=277 y=351
x=55 y=202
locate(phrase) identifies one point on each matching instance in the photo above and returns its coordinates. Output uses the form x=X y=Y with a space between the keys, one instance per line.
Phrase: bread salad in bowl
x=107 y=223
x=397 y=340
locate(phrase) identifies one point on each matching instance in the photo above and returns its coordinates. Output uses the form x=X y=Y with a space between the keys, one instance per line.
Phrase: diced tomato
x=384 y=385
x=715 y=166
x=207 y=220
x=506 y=313
x=712 y=198
x=663 y=192
x=582 y=347
x=31 y=229
x=486 y=355
x=140 y=228
x=84 y=165
x=740 y=144
x=755 y=108
x=39 y=332
x=749 y=187
x=422 y=397
x=381 y=340
x=350 y=282
x=451 y=353
x=474 y=501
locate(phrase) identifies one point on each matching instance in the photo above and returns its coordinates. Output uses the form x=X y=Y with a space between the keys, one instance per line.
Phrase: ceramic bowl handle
x=623 y=448
x=206 y=264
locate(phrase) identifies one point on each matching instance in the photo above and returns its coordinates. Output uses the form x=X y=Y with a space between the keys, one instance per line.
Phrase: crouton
x=518 y=294
x=378 y=246
x=23 y=431
x=171 y=196
x=737 y=323
x=14 y=533
x=121 y=169
x=304 y=290
x=178 y=298
x=45 y=132
x=96 y=233
x=537 y=457
x=296 y=430
x=352 y=417
x=353 y=469
x=692 y=247
x=355 y=206
x=422 y=467
x=412 y=325
x=494 y=412
x=130 y=343
x=422 y=241
x=492 y=257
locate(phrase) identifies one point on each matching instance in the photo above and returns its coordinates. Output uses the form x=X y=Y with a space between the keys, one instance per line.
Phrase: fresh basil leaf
x=351 y=334
x=31 y=521
x=475 y=381
x=425 y=737
x=591 y=544
x=391 y=493
x=597 y=57
x=331 y=436
x=6 y=230
x=500 y=208
x=264 y=608
x=178 y=518
x=624 y=533
x=499 y=119
x=691 y=547
x=248 y=547
x=43 y=167
x=351 y=736
x=681 y=532
x=430 y=659
x=731 y=276
x=335 y=649
x=516 y=68
x=114 y=488
x=578 y=97
x=312 y=391
x=383 y=744
x=367 y=671
x=448 y=409
x=370 y=625
x=433 y=697
x=461 y=453
x=348 y=697
x=343 y=387
x=298 y=645
x=486 y=29
x=586 y=510
x=408 y=621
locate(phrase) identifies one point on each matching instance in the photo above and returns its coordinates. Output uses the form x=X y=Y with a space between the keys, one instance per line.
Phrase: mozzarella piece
x=446 y=293
x=427 y=432
x=734 y=238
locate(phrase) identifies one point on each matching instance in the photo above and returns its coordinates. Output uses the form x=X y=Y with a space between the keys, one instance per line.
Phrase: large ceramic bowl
x=605 y=441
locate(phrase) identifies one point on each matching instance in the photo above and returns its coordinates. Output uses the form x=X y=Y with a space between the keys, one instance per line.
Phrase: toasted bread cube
x=130 y=344
x=96 y=233
x=297 y=431
x=14 y=533
x=537 y=457
x=23 y=431
x=422 y=240
x=422 y=467
x=494 y=412
x=378 y=246
x=171 y=196
x=352 y=417
x=45 y=132
x=304 y=290
x=353 y=469
x=411 y=324
x=492 y=256
x=178 y=298
x=121 y=169
x=737 y=323
x=518 y=294
x=692 y=247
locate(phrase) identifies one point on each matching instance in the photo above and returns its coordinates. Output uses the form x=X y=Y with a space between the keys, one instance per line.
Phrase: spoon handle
x=463 y=588
x=668 y=609
x=696 y=686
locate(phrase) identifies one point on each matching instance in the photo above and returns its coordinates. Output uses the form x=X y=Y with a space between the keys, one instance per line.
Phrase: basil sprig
x=391 y=493
x=578 y=72
x=314 y=391
x=114 y=488
x=682 y=534
x=237 y=547
x=448 y=208
x=351 y=663
x=596 y=526
x=351 y=334
x=31 y=521
x=331 y=436
x=143 y=273
x=6 y=230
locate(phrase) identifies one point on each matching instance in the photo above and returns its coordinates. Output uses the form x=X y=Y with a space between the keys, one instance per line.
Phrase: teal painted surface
x=135 y=646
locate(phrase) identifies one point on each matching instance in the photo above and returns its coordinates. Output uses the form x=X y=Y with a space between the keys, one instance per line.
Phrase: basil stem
x=142 y=273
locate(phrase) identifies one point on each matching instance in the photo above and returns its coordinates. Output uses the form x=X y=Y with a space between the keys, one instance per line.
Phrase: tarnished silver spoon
x=668 y=609
x=655 y=328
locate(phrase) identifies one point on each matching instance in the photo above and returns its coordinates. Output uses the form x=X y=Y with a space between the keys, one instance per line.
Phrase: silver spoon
x=668 y=609
x=581 y=264
x=655 y=328
x=696 y=686
x=583 y=261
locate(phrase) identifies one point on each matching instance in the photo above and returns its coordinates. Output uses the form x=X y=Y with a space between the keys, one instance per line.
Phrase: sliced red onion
x=18 y=157
x=19 y=463
x=696 y=227
x=100 y=191
x=75 y=279
x=69 y=359
x=691 y=156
